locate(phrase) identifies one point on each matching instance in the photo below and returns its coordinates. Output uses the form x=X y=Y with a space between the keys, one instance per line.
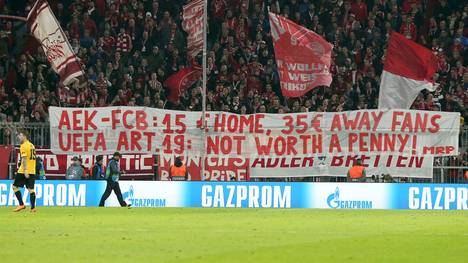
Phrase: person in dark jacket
x=113 y=173
x=98 y=172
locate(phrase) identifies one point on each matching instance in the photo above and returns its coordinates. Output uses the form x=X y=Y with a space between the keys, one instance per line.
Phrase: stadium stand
x=128 y=49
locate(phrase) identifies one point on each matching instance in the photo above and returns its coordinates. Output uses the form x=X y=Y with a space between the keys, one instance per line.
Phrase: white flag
x=46 y=29
x=408 y=69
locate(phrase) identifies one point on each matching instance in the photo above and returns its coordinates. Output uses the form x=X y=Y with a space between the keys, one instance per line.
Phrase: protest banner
x=238 y=147
x=378 y=165
x=155 y=131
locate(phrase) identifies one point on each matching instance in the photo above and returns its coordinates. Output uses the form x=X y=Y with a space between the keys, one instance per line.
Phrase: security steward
x=178 y=171
x=113 y=173
x=98 y=172
x=357 y=173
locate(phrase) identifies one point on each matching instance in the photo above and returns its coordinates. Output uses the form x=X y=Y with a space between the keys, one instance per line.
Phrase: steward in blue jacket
x=112 y=177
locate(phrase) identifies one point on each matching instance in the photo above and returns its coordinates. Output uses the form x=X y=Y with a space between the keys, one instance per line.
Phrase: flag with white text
x=303 y=57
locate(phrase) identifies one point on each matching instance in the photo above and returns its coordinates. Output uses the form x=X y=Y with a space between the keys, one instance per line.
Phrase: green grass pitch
x=58 y=234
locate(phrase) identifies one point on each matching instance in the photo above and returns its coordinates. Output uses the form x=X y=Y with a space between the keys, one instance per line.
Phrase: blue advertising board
x=250 y=195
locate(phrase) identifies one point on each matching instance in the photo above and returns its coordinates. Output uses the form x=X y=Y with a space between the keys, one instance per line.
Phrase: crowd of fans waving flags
x=302 y=56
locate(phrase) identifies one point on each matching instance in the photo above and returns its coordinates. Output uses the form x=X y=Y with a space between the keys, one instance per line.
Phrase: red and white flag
x=178 y=82
x=46 y=29
x=303 y=57
x=408 y=69
x=193 y=25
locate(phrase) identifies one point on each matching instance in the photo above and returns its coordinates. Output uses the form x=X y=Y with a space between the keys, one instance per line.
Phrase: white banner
x=155 y=131
x=399 y=142
x=377 y=165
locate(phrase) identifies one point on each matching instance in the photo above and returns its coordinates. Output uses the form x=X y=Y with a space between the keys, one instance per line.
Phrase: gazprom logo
x=129 y=194
x=130 y=198
x=334 y=201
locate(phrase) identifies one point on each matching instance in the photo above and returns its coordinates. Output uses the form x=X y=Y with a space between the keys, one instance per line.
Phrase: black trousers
x=111 y=185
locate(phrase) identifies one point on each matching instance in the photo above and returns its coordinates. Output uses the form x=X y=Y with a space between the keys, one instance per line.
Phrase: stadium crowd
x=128 y=48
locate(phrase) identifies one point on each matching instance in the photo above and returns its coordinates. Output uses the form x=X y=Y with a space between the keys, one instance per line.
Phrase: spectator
x=76 y=170
x=129 y=49
x=360 y=10
x=408 y=29
x=124 y=42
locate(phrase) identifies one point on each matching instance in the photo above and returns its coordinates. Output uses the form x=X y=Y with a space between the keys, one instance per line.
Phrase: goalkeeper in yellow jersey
x=26 y=174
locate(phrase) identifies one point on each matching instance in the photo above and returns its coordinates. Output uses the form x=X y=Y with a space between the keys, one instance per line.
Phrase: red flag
x=409 y=59
x=408 y=69
x=303 y=57
x=46 y=29
x=180 y=81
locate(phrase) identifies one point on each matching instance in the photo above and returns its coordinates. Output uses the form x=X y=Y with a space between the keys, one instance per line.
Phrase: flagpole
x=17 y=18
x=205 y=26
